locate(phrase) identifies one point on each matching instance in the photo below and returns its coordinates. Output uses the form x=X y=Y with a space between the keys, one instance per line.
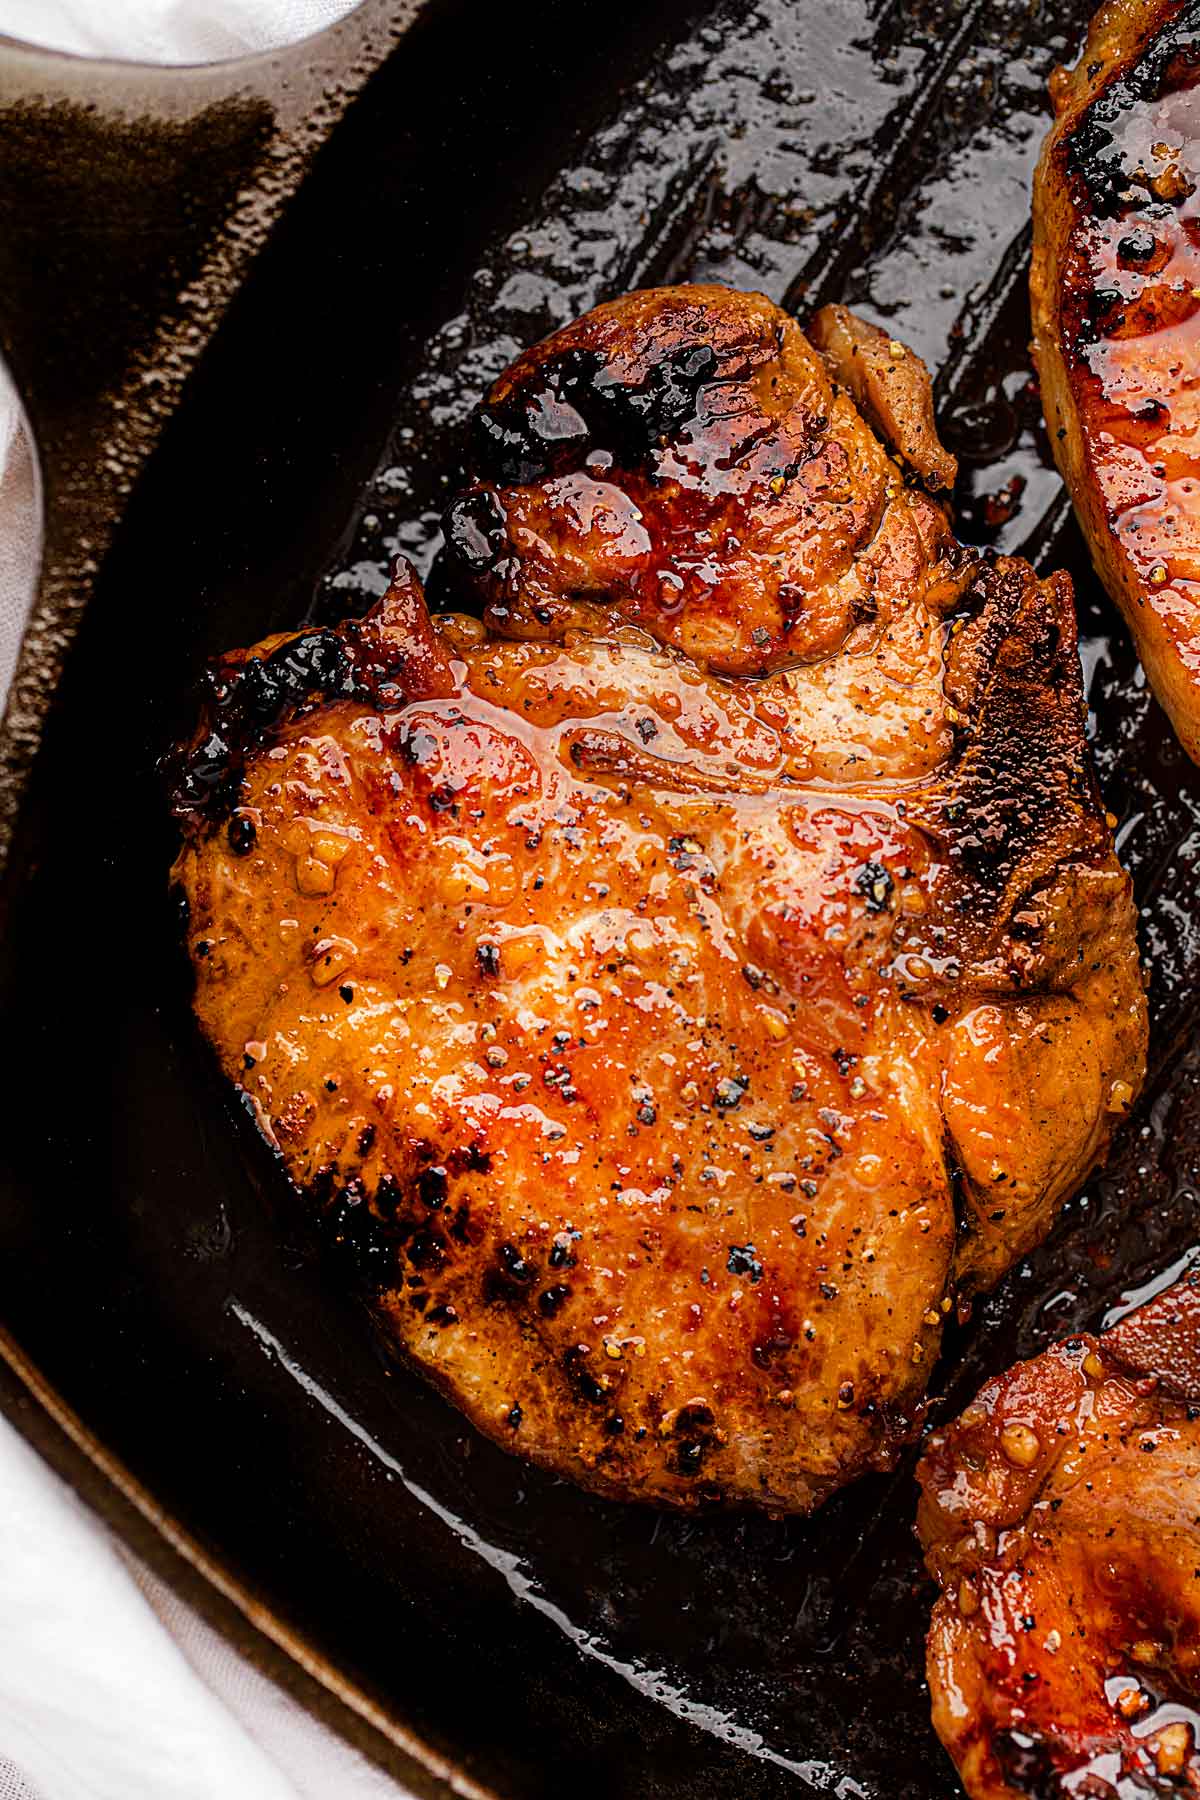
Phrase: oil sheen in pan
x=522 y=1582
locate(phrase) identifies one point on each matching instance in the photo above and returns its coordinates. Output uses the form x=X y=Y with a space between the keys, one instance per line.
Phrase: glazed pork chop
x=1116 y=312
x=1061 y=1517
x=681 y=986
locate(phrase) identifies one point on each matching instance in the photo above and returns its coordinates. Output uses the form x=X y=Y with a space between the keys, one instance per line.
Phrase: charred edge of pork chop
x=1138 y=51
x=390 y=656
x=586 y=388
x=1135 y=50
x=1019 y=795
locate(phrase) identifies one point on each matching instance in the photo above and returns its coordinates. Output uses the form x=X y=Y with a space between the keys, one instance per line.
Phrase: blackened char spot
x=643 y=415
x=509 y=1277
x=1138 y=246
x=1101 y=314
x=1027 y=1763
x=561 y=1254
x=580 y=1376
x=1095 y=150
x=476 y=529
x=355 y=1231
x=425 y=1249
x=514 y=1264
x=567 y=405
x=535 y=429
x=243 y=702
x=693 y=1435
x=389 y=1196
x=431 y=1186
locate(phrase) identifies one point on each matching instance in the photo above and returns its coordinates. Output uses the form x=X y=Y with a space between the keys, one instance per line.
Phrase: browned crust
x=682 y=458
x=1058 y=1515
x=1115 y=276
x=1023 y=900
x=953 y=925
x=891 y=388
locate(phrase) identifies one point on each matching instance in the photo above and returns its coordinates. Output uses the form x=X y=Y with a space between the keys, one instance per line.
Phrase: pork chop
x=682 y=985
x=1116 y=313
x=1061 y=1517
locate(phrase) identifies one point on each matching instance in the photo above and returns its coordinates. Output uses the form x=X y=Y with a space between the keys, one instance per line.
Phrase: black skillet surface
x=500 y=171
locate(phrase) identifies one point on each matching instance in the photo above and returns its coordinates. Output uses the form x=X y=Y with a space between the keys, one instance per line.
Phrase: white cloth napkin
x=111 y=1688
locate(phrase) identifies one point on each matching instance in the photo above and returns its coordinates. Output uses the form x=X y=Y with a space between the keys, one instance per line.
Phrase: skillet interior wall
x=501 y=173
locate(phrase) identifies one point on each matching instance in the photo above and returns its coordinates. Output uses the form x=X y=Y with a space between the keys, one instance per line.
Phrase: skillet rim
x=276 y=1649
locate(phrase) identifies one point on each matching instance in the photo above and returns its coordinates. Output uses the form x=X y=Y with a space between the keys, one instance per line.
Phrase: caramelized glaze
x=1116 y=306
x=1061 y=1516
x=671 y=1051
x=683 y=457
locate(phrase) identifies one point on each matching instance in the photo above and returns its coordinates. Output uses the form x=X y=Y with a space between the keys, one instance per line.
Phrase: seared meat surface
x=1061 y=1516
x=670 y=1047
x=1116 y=309
x=683 y=458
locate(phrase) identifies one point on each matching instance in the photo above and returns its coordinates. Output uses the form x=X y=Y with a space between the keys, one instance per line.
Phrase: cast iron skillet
x=248 y=309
